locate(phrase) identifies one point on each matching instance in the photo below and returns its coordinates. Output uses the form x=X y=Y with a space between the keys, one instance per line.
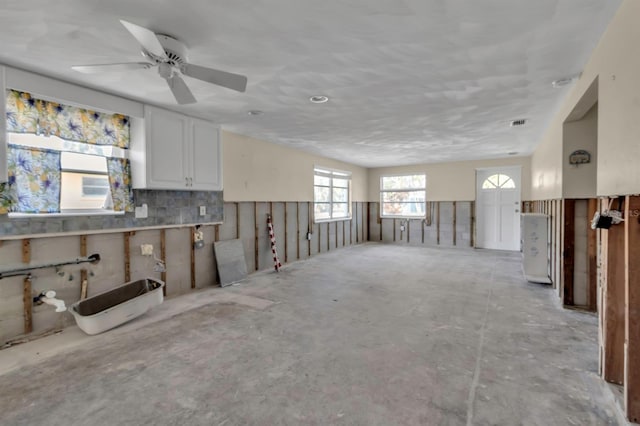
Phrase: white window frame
x=383 y=191
x=331 y=174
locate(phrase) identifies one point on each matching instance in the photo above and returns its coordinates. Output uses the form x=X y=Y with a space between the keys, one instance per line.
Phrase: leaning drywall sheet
x=230 y=260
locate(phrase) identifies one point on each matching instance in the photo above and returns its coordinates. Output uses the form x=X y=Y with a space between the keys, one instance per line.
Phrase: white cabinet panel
x=176 y=152
x=206 y=151
x=166 y=149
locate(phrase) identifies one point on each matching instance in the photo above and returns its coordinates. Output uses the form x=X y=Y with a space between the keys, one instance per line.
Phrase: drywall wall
x=451 y=181
x=580 y=180
x=617 y=70
x=255 y=170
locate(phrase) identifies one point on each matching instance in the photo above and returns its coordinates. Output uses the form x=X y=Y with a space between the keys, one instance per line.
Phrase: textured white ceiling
x=409 y=81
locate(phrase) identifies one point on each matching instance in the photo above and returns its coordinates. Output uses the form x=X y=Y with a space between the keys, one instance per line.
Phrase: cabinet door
x=167 y=150
x=206 y=172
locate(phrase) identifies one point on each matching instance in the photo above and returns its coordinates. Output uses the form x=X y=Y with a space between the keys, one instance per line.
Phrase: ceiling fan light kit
x=170 y=56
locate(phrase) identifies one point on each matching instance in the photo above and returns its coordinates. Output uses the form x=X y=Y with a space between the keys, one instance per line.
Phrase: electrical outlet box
x=146 y=249
x=402 y=228
x=309 y=236
x=203 y=210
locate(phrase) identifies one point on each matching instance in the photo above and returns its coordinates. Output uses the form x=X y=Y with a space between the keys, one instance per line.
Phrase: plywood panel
x=229 y=228
x=178 y=261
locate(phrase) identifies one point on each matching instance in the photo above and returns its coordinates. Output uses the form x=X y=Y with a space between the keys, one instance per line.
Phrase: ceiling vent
x=517 y=123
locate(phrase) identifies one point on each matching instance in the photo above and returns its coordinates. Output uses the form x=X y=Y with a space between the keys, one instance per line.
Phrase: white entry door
x=498 y=208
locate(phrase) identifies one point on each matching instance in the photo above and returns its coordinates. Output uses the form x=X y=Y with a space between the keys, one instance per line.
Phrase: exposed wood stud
x=193 y=257
x=309 y=226
x=163 y=257
x=394 y=230
x=472 y=221
x=632 y=311
x=127 y=257
x=422 y=225
x=454 y=223
x=343 y=233
x=356 y=223
x=216 y=232
x=27 y=301
x=256 y=244
x=379 y=216
x=237 y=220
x=368 y=221
x=27 y=297
x=83 y=272
x=592 y=253
x=614 y=319
x=297 y=230
x=329 y=236
x=408 y=231
x=568 y=254
x=286 y=233
x=438 y=222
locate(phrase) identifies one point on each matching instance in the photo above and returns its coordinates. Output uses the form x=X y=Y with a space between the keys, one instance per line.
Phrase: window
x=64 y=159
x=498 y=181
x=331 y=194
x=403 y=196
x=84 y=181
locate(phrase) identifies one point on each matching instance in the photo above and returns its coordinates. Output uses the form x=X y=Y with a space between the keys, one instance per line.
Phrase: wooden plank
x=127 y=257
x=472 y=221
x=193 y=256
x=27 y=297
x=592 y=254
x=356 y=223
x=438 y=222
x=84 y=278
x=237 y=220
x=394 y=230
x=614 y=309
x=309 y=226
x=216 y=232
x=368 y=221
x=408 y=231
x=256 y=244
x=632 y=311
x=297 y=230
x=343 y=233
x=163 y=257
x=27 y=301
x=454 y=223
x=286 y=234
x=568 y=254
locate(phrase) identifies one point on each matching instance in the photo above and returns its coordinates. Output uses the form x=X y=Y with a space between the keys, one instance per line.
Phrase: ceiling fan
x=170 y=56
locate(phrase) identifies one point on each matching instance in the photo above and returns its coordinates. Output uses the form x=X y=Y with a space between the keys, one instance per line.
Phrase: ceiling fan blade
x=221 y=78
x=180 y=90
x=146 y=38
x=98 y=68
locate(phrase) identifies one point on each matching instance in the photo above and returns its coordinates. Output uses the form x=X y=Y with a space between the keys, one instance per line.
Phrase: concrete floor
x=367 y=335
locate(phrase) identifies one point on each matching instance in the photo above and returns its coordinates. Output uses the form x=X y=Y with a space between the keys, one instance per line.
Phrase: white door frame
x=511 y=171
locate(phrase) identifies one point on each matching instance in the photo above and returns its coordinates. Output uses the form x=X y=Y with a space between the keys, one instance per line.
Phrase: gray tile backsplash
x=165 y=208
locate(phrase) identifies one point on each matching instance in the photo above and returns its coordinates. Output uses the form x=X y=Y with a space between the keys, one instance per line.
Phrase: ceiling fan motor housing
x=176 y=50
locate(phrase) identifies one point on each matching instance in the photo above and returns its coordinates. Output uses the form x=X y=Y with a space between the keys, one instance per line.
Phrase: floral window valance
x=26 y=114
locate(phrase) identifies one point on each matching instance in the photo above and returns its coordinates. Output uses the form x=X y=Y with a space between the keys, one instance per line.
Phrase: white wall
x=616 y=65
x=451 y=181
x=579 y=181
x=255 y=170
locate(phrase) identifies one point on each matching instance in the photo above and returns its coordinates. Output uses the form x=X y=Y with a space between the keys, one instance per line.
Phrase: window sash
x=405 y=197
x=336 y=185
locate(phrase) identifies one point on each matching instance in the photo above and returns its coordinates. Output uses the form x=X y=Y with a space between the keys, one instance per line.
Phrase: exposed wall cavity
x=187 y=268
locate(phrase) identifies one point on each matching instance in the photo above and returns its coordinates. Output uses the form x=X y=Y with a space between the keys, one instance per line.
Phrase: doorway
x=498 y=208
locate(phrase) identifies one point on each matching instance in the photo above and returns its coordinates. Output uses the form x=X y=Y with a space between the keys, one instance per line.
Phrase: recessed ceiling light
x=319 y=99
x=255 y=112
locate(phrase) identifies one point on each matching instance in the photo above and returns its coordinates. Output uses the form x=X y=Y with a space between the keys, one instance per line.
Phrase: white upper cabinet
x=173 y=151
